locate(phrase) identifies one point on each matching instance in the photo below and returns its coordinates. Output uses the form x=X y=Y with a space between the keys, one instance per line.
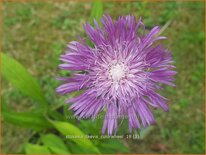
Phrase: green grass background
x=36 y=34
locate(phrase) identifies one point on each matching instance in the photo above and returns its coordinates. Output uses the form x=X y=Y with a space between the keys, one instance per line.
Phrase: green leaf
x=113 y=146
x=68 y=129
x=4 y=106
x=36 y=149
x=76 y=149
x=55 y=144
x=97 y=10
x=56 y=150
x=15 y=73
x=54 y=114
x=164 y=28
x=28 y=120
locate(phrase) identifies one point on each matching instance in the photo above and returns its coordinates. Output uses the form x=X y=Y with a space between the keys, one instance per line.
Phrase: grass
x=36 y=34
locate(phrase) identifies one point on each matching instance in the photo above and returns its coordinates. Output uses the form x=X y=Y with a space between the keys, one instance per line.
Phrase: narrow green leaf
x=15 y=73
x=54 y=114
x=36 y=149
x=164 y=28
x=28 y=120
x=55 y=144
x=97 y=10
x=68 y=129
x=4 y=106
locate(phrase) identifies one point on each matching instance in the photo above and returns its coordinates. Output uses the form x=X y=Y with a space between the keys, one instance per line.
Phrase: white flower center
x=117 y=72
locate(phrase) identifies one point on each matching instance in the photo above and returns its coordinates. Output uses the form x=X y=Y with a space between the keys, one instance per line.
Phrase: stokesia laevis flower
x=120 y=74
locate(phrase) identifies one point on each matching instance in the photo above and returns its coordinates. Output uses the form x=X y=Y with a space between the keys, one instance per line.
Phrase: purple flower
x=120 y=74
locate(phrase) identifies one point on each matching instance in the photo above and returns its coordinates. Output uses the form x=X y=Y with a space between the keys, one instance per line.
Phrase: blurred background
x=36 y=33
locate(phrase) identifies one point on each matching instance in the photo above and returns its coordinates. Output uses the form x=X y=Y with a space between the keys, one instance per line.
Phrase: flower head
x=120 y=74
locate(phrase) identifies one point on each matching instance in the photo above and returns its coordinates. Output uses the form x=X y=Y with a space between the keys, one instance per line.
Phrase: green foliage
x=113 y=146
x=68 y=129
x=37 y=121
x=36 y=149
x=55 y=144
x=26 y=119
x=77 y=149
x=34 y=121
x=163 y=28
x=97 y=10
x=15 y=73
